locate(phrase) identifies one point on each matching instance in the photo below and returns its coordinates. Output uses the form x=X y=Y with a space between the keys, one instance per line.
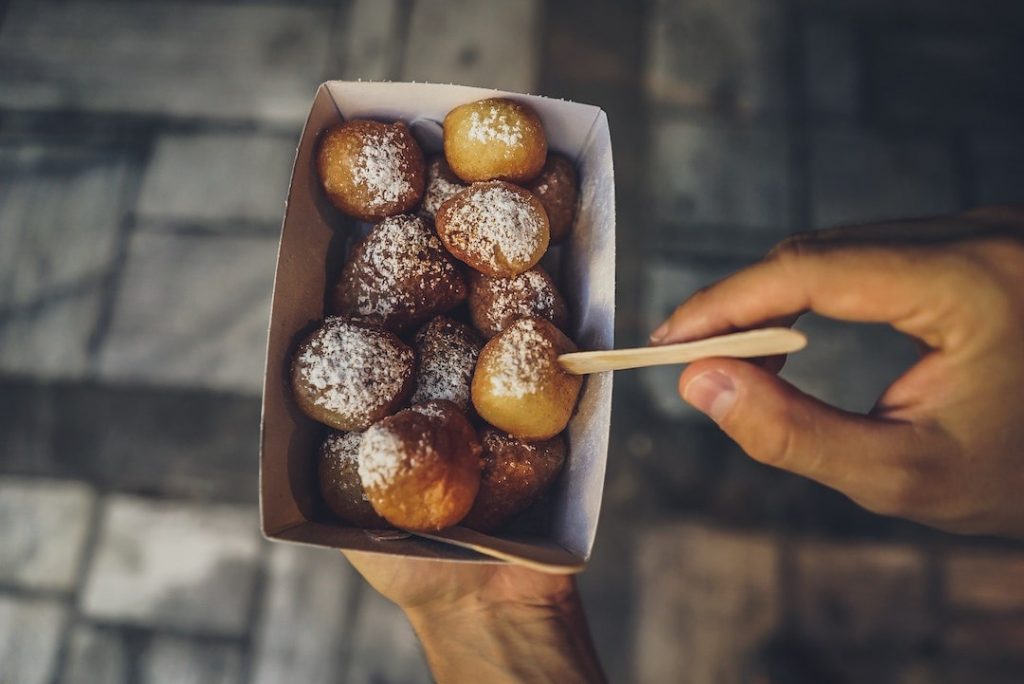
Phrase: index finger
x=866 y=283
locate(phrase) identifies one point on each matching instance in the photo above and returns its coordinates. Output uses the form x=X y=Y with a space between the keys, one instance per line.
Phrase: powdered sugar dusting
x=497 y=124
x=343 y=447
x=527 y=294
x=403 y=262
x=354 y=369
x=380 y=456
x=381 y=167
x=440 y=187
x=494 y=442
x=430 y=410
x=447 y=356
x=518 y=361
x=494 y=223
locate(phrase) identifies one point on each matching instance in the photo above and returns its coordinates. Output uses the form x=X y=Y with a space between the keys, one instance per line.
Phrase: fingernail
x=712 y=392
x=659 y=334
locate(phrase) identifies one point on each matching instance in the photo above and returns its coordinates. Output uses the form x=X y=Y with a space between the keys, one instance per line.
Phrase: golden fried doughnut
x=370 y=169
x=447 y=352
x=442 y=184
x=348 y=374
x=338 y=475
x=518 y=385
x=495 y=227
x=421 y=466
x=399 y=275
x=557 y=189
x=495 y=138
x=495 y=302
x=515 y=474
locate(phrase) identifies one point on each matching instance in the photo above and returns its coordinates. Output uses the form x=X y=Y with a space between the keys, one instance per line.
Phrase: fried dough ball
x=349 y=374
x=338 y=475
x=399 y=275
x=371 y=170
x=557 y=189
x=515 y=475
x=442 y=184
x=421 y=466
x=495 y=227
x=496 y=138
x=495 y=302
x=447 y=352
x=518 y=385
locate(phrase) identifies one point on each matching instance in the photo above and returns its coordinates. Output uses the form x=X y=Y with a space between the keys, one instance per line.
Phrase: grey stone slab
x=832 y=68
x=920 y=10
x=186 y=661
x=998 y=163
x=169 y=564
x=720 y=56
x=26 y=418
x=95 y=654
x=384 y=647
x=605 y=589
x=372 y=41
x=302 y=625
x=953 y=670
x=217 y=177
x=859 y=176
x=984 y=581
x=192 y=311
x=707 y=600
x=51 y=340
x=198 y=445
x=60 y=208
x=30 y=631
x=257 y=61
x=44 y=525
x=722 y=175
x=491 y=43
x=946 y=76
x=862 y=594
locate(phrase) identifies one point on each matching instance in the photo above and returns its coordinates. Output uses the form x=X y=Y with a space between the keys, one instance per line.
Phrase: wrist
x=539 y=638
x=559 y=597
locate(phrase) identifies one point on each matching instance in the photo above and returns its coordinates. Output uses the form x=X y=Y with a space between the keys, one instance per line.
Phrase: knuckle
x=790 y=247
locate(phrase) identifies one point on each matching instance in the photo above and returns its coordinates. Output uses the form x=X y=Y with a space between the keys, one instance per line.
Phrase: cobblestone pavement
x=144 y=157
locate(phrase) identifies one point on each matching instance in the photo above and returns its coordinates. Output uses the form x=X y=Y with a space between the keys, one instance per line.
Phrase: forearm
x=509 y=642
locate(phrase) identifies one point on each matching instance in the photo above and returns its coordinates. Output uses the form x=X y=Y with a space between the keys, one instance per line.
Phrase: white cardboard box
x=314 y=237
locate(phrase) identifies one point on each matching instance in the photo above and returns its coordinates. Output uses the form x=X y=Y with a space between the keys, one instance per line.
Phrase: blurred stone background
x=144 y=156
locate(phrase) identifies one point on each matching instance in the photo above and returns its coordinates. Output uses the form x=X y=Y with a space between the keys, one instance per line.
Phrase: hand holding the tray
x=944 y=445
x=486 y=622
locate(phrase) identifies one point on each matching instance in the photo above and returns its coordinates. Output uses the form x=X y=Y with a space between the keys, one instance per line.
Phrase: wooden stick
x=752 y=343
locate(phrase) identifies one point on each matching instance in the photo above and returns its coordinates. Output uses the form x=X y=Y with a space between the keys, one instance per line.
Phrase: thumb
x=779 y=425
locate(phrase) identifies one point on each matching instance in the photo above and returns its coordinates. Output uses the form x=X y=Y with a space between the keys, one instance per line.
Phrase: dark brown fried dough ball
x=447 y=352
x=399 y=275
x=421 y=466
x=518 y=385
x=495 y=302
x=495 y=138
x=495 y=227
x=557 y=189
x=371 y=170
x=348 y=374
x=338 y=471
x=515 y=474
x=442 y=184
